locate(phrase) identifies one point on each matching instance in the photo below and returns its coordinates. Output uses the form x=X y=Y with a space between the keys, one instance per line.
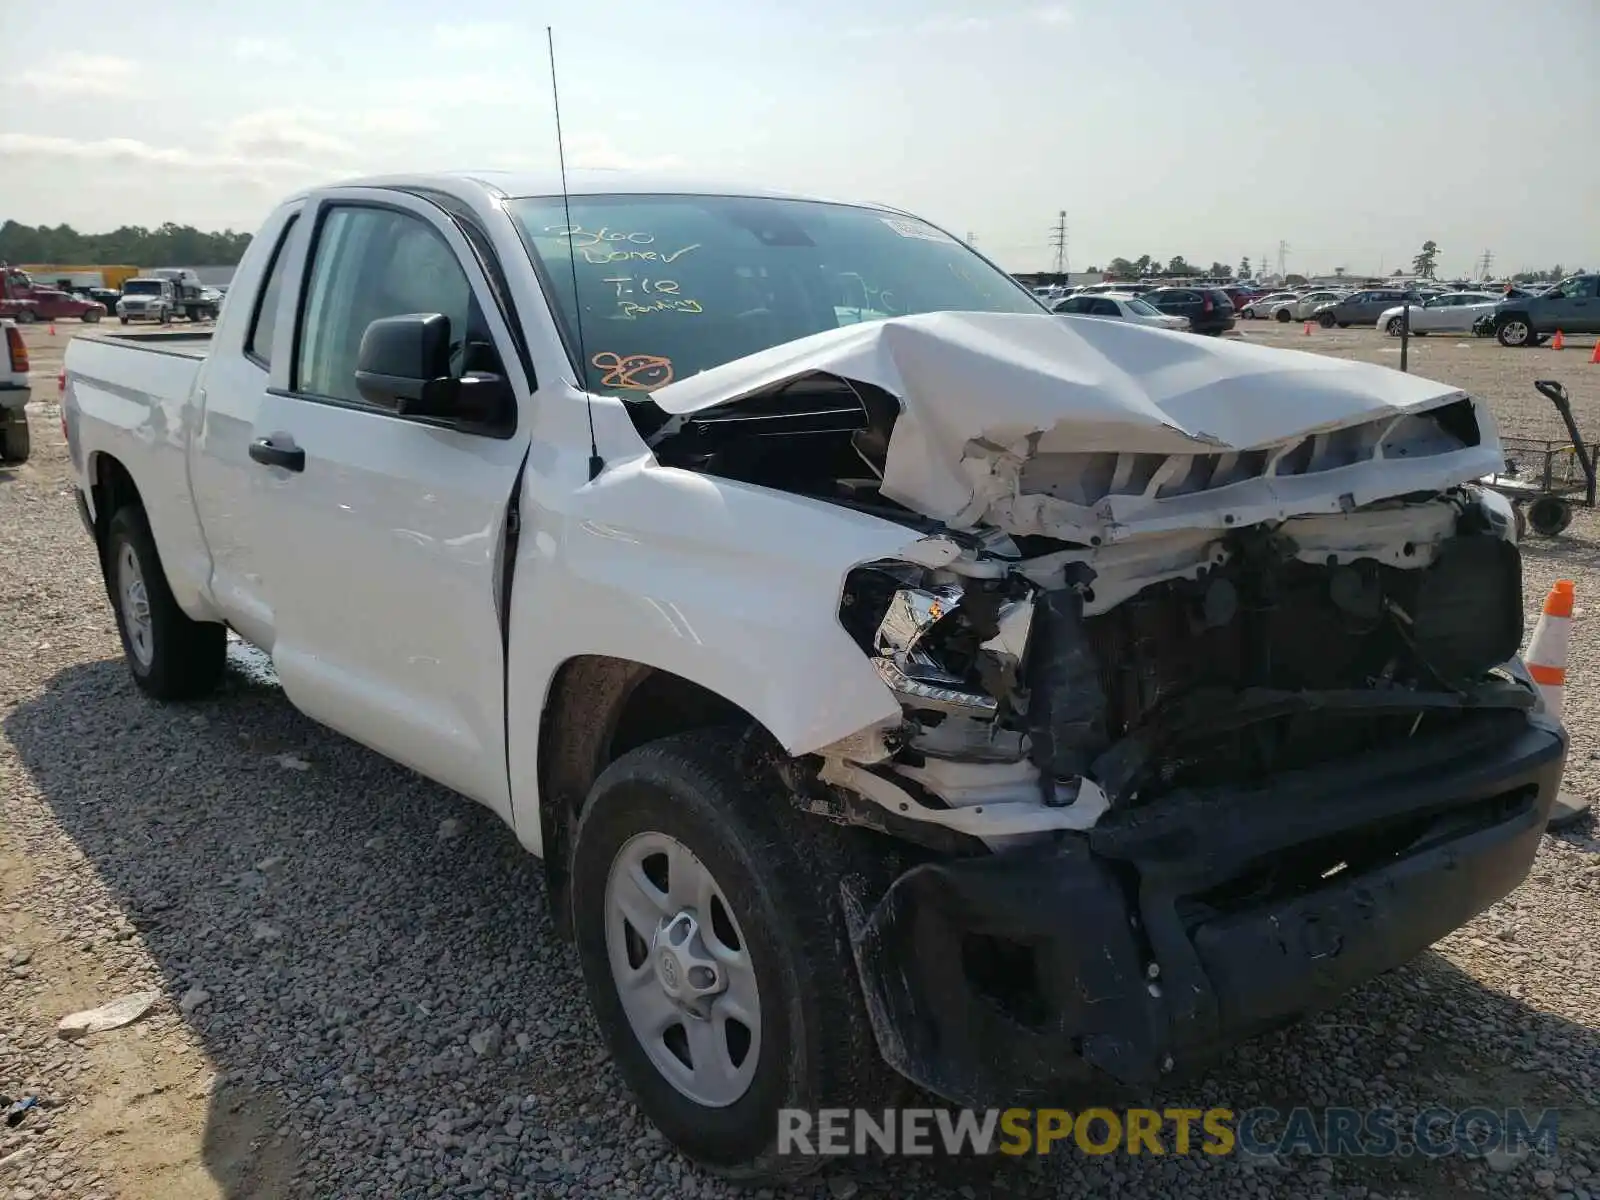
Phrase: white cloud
x=474 y=35
x=282 y=133
x=263 y=50
x=588 y=152
x=85 y=74
x=952 y=24
x=391 y=122
x=1053 y=14
x=129 y=151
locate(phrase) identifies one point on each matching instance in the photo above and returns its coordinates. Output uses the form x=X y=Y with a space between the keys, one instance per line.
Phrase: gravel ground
x=359 y=996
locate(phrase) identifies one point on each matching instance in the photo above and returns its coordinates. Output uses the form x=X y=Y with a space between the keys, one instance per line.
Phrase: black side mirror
x=401 y=356
x=404 y=364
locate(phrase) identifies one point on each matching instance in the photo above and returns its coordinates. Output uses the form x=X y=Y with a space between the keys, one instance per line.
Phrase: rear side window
x=258 y=343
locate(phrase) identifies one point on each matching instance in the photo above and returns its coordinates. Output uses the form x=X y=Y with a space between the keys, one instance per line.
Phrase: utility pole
x=1058 y=239
x=1283 y=251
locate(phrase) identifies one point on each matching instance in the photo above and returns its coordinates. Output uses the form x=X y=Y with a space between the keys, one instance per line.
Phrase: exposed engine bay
x=1084 y=628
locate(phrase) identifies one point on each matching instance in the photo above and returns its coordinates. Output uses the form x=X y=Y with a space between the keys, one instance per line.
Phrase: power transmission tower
x=1058 y=239
x=1283 y=251
x=1488 y=261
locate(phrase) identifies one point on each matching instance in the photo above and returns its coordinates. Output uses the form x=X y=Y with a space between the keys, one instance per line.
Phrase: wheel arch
x=597 y=709
x=111 y=486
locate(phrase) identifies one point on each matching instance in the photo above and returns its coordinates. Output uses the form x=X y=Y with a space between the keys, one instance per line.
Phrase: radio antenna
x=596 y=463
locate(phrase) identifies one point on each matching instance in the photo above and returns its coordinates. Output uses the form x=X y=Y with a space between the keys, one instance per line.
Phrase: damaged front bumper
x=1167 y=933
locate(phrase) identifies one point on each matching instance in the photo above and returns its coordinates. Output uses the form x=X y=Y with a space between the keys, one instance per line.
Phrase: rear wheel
x=1325 y=320
x=172 y=657
x=91 y=316
x=1394 y=327
x=15 y=443
x=707 y=917
x=1283 y=316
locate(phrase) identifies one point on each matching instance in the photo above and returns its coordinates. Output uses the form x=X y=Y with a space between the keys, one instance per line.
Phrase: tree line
x=171 y=245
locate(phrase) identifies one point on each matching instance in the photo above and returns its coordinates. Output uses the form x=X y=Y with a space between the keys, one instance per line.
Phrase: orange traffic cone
x=1558 y=341
x=1547 y=652
x=1308 y=329
x=52 y=330
x=1595 y=357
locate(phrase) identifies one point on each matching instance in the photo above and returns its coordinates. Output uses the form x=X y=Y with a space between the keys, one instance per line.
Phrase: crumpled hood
x=984 y=393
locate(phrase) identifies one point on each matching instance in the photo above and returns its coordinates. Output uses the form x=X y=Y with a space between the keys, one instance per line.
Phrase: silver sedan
x=1453 y=312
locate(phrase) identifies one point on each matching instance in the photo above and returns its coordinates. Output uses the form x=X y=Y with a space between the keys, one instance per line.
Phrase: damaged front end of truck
x=1206 y=662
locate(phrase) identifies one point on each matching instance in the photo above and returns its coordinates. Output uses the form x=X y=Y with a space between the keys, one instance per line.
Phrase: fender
x=732 y=587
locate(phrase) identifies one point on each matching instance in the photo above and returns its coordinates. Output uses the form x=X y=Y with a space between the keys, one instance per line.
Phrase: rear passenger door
x=382 y=534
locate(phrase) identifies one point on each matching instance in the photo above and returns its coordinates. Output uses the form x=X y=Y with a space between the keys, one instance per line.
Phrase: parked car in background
x=14 y=393
x=1126 y=289
x=1455 y=312
x=149 y=298
x=1240 y=296
x=50 y=304
x=1572 y=306
x=1263 y=305
x=106 y=297
x=1303 y=306
x=1209 y=310
x=1119 y=306
x=1361 y=308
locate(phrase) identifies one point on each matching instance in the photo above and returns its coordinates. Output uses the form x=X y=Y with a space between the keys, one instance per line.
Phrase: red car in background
x=1240 y=296
x=47 y=304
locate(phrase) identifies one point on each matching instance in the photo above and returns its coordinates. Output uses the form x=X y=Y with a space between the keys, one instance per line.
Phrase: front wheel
x=1283 y=316
x=27 y=317
x=172 y=657
x=1325 y=320
x=708 y=923
x=1394 y=327
x=91 y=317
x=124 y=320
x=1514 y=331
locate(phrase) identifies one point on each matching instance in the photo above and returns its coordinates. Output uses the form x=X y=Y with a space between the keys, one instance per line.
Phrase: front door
x=383 y=551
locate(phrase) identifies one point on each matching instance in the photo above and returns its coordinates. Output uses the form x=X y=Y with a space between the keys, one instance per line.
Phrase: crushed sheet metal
x=983 y=393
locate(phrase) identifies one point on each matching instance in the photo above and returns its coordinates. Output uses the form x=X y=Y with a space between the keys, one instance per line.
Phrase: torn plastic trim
x=996 y=819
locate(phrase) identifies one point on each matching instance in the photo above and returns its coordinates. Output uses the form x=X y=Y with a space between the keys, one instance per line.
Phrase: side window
x=1105 y=308
x=370 y=263
x=258 y=342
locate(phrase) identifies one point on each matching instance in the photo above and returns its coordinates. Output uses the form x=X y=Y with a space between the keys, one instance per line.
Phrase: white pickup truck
x=886 y=670
x=14 y=394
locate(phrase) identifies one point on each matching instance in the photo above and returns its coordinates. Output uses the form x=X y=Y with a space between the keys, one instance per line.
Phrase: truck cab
x=147 y=298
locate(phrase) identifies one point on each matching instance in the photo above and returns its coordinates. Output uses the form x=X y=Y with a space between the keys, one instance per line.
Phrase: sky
x=1351 y=131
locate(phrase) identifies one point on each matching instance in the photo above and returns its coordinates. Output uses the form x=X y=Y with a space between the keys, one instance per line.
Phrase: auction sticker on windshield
x=915 y=229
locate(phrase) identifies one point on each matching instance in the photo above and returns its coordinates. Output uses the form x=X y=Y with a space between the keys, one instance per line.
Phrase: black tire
x=1283 y=317
x=1549 y=515
x=1514 y=330
x=779 y=873
x=124 y=320
x=91 y=316
x=1325 y=320
x=187 y=656
x=15 y=443
x=27 y=316
x=1393 y=327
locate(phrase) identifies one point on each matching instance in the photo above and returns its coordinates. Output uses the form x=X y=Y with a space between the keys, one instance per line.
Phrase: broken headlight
x=951 y=647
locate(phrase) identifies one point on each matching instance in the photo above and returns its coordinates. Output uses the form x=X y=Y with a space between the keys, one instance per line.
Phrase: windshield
x=674 y=284
x=1139 y=308
x=142 y=287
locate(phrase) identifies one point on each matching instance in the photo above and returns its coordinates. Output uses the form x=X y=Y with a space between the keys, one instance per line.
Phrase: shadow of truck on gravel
x=383 y=985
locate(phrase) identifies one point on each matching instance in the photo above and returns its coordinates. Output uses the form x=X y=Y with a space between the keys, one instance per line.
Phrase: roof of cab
x=586 y=182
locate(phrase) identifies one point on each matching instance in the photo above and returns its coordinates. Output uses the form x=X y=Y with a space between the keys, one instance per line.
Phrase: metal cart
x=1546 y=478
